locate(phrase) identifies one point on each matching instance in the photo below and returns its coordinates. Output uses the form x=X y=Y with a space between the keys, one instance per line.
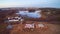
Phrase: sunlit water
x=35 y=14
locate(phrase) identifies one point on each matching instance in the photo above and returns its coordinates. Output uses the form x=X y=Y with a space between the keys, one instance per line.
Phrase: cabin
x=14 y=19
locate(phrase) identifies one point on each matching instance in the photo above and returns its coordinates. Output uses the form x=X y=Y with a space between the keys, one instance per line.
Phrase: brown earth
x=50 y=29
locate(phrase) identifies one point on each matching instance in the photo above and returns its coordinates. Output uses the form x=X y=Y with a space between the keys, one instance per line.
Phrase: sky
x=29 y=3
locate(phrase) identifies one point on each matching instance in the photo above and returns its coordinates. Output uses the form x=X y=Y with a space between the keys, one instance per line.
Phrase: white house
x=29 y=25
x=14 y=19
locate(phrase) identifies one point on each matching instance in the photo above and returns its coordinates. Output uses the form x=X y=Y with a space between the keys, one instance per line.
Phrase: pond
x=35 y=14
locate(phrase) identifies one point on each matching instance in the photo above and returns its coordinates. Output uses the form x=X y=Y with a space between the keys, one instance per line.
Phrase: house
x=29 y=25
x=14 y=19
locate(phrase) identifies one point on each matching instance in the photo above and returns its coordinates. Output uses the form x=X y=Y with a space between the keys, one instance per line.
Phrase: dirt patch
x=52 y=29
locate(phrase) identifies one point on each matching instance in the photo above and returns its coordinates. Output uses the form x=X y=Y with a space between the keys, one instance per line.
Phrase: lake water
x=30 y=14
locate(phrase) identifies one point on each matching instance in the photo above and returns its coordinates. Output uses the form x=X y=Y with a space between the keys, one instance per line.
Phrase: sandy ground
x=52 y=28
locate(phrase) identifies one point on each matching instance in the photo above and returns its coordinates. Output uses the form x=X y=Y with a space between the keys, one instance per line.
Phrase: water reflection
x=9 y=26
x=35 y=14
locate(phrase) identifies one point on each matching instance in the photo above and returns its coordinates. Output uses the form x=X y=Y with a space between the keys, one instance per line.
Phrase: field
x=51 y=23
x=18 y=29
